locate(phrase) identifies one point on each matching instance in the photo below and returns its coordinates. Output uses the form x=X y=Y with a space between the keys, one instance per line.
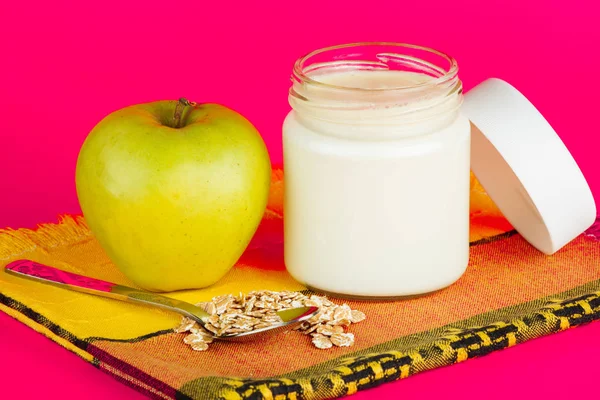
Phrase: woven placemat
x=510 y=293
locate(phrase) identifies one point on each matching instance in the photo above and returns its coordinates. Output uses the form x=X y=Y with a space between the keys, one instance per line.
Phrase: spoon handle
x=79 y=283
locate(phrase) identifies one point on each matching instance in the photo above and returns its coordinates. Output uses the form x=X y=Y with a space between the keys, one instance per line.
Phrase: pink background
x=65 y=65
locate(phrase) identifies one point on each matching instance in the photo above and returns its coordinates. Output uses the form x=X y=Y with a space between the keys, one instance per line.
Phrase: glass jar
x=376 y=162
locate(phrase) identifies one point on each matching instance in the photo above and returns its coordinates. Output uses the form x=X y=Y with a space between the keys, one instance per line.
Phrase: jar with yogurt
x=376 y=163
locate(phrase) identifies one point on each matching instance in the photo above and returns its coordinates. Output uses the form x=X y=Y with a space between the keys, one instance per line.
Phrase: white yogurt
x=376 y=182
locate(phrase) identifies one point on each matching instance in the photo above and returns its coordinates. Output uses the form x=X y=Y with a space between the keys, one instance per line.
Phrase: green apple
x=173 y=191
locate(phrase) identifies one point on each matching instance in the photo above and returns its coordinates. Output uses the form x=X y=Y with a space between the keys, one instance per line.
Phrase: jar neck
x=381 y=95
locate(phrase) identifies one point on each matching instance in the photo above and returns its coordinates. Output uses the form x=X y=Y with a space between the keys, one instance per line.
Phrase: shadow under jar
x=376 y=156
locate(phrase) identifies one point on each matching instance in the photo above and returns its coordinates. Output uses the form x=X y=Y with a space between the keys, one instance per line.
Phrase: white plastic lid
x=525 y=167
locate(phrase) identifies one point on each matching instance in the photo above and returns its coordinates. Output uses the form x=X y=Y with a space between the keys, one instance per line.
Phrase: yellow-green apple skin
x=174 y=208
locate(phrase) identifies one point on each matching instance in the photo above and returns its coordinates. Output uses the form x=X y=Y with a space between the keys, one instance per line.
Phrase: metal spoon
x=79 y=283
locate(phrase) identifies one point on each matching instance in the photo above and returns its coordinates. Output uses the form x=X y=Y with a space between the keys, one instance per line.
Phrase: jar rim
x=450 y=73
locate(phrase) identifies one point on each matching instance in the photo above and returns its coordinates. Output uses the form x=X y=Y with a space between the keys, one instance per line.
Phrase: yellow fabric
x=71 y=247
x=46 y=332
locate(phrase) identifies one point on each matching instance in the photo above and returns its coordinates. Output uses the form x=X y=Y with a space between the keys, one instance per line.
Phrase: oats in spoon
x=256 y=310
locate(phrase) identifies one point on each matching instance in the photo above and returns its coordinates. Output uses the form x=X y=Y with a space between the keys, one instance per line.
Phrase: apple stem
x=179 y=108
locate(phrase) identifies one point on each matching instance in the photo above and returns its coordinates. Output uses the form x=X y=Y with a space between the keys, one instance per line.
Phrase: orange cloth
x=509 y=294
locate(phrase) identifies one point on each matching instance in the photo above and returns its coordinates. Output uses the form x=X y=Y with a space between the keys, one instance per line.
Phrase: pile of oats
x=244 y=313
